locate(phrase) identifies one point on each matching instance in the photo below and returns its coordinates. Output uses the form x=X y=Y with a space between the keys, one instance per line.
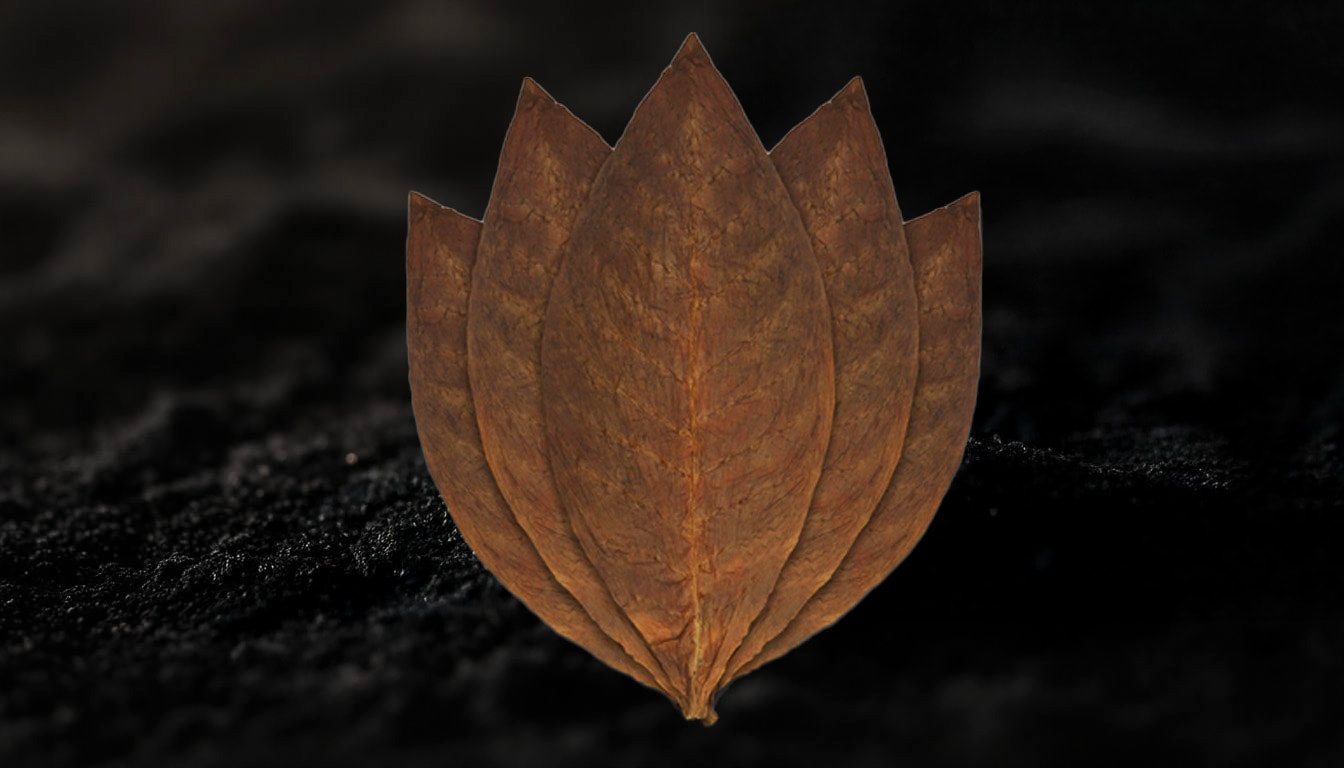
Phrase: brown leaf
x=945 y=254
x=836 y=173
x=440 y=251
x=545 y=170
x=688 y=379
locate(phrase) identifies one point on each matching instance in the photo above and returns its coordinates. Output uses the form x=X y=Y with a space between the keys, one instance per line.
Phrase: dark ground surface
x=218 y=541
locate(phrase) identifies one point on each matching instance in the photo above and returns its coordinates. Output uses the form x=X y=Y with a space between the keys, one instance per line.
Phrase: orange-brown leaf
x=836 y=172
x=945 y=254
x=440 y=251
x=688 y=374
x=548 y=163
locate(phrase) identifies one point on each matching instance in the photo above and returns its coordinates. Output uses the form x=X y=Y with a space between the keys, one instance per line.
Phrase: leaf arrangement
x=689 y=400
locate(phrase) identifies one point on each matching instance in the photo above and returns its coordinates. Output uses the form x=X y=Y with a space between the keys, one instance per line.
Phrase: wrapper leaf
x=440 y=252
x=689 y=384
x=945 y=251
x=836 y=172
x=548 y=164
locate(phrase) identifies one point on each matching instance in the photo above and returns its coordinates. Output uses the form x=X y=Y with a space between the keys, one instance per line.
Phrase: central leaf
x=687 y=373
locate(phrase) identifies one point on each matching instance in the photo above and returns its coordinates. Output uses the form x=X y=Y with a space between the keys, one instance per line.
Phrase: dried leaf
x=688 y=373
x=945 y=253
x=718 y=393
x=836 y=173
x=549 y=160
x=440 y=251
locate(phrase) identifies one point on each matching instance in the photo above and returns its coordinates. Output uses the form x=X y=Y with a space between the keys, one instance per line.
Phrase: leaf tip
x=967 y=205
x=533 y=95
x=418 y=202
x=691 y=51
x=853 y=93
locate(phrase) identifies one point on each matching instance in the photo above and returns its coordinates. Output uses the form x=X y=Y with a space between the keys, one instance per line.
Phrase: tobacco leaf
x=688 y=379
x=945 y=253
x=836 y=172
x=547 y=165
x=440 y=251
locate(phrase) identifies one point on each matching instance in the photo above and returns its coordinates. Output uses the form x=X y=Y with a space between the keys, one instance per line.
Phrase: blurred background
x=219 y=544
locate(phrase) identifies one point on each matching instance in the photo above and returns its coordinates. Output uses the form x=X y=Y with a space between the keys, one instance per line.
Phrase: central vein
x=693 y=496
x=693 y=395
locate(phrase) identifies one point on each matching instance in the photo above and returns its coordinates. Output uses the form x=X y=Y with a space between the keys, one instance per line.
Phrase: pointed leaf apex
x=691 y=51
x=415 y=200
x=968 y=203
x=854 y=93
x=533 y=94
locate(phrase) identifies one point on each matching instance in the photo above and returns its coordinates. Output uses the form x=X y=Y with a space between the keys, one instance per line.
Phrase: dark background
x=218 y=541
